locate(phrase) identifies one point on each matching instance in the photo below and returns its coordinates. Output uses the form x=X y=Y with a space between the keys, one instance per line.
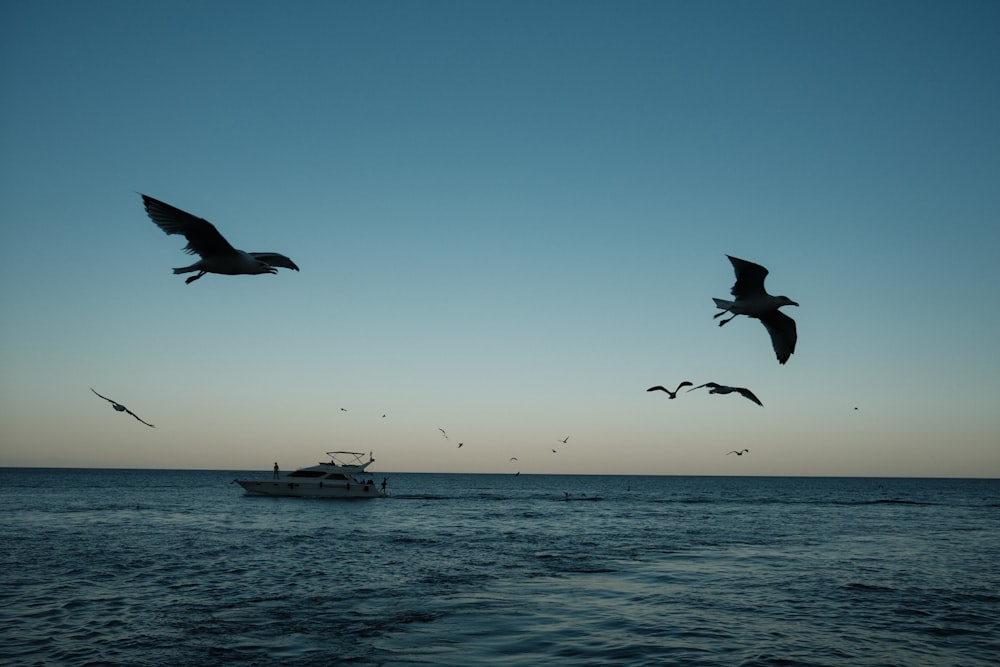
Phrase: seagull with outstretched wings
x=121 y=408
x=217 y=255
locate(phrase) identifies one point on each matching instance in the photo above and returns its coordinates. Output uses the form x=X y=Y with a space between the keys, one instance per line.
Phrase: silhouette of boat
x=343 y=476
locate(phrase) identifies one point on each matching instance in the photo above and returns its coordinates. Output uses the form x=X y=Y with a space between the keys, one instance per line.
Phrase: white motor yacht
x=343 y=476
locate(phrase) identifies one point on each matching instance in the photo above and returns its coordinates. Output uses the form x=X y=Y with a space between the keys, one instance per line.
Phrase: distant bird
x=671 y=394
x=753 y=301
x=217 y=256
x=121 y=408
x=564 y=440
x=513 y=458
x=343 y=409
x=723 y=389
x=460 y=445
x=738 y=453
x=443 y=433
x=554 y=451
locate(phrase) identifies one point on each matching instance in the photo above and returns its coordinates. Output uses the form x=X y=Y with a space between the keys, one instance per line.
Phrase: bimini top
x=353 y=461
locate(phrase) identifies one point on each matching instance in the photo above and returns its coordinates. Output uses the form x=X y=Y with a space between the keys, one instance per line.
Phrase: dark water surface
x=134 y=567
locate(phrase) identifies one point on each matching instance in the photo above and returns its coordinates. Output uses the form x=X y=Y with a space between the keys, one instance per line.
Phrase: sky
x=511 y=218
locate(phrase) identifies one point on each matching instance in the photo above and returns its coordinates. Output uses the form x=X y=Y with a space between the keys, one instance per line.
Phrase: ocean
x=159 y=567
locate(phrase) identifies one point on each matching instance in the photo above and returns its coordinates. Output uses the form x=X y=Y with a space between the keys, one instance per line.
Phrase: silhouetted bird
x=217 y=255
x=753 y=301
x=121 y=408
x=565 y=440
x=671 y=394
x=723 y=389
x=443 y=433
x=738 y=453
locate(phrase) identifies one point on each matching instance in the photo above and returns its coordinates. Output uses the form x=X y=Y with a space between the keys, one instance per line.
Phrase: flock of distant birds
x=220 y=257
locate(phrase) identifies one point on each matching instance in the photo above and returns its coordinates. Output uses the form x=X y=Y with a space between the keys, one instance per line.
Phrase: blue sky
x=511 y=219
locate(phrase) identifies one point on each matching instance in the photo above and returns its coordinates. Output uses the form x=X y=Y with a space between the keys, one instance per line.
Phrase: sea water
x=152 y=567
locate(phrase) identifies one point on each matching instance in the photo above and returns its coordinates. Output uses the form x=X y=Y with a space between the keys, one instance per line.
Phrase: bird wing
x=139 y=418
x=274 y=259
x=783 y=334
x=707 y=384
x=683 y=384
x=202 y=236
x=749 y=394
x=749 y=278
x=658 y=388
x=104 y=397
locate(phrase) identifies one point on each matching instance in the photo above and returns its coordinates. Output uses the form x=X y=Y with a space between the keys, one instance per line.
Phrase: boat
x=343 y=476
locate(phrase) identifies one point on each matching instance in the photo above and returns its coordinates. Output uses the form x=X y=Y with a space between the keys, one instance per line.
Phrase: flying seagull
x=715 y=388
x=444 y=434
x=671 y=394
x=121 y=408
x=565 y=440
x=217 y=256
x=752 y=301
x=740 y=452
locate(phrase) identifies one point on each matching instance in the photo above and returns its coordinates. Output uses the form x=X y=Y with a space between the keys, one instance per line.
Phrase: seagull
x=564 y=440
x=443 y=433
x=671 y=394
x=460 y=445
x=738 y=453
x=121 y=408
x=513 y=458
x=715 y=388
x=753 y=301
x=217 y=256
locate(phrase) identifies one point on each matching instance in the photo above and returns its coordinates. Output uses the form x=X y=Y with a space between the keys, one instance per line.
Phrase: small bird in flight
x=740 y=452
x=671 y=394
x=715 y=388
x=460 y=445
x=217 y=255
x=513 y=458
x=753 y=301
x=444 y=434
x=121 y=408
x=564 y=441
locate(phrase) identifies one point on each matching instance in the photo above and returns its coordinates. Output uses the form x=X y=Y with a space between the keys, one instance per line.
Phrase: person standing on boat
x=276 y=470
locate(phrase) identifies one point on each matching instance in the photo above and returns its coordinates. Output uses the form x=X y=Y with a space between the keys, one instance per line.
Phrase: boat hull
x=310 y=489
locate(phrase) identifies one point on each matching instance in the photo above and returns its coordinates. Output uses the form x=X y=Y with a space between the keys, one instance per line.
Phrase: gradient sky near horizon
x=511 y=219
